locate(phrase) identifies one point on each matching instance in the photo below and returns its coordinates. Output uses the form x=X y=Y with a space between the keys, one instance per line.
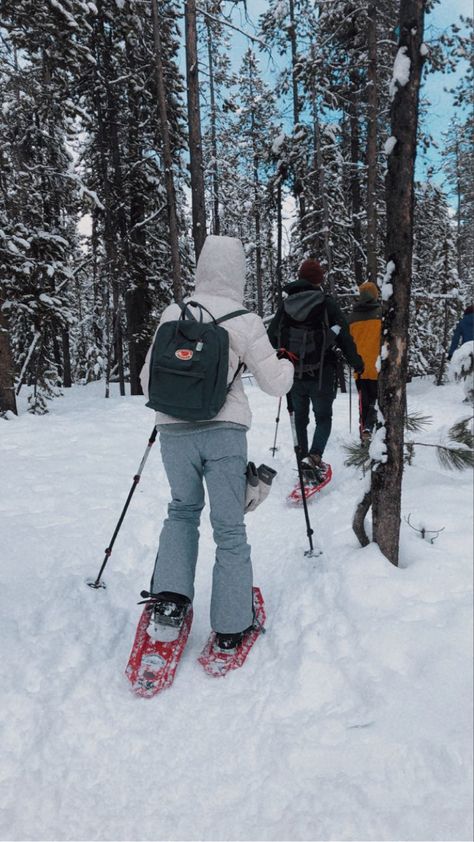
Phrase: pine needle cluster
x=456 y=454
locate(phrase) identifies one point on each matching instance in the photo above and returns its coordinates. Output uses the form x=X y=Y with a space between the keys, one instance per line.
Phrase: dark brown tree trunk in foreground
x=167 y=156
x=372 y=147
x=387 y=478
x=358 y=523
x=194 y=125
x=7 y=373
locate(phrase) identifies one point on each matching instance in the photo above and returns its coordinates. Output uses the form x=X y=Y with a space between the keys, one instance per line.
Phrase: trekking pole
x=350 y=399
x=311 y=552
x=274 y=448
x=136 y=479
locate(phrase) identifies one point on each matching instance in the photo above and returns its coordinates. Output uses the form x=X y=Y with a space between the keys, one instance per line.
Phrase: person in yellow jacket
x=365 y=325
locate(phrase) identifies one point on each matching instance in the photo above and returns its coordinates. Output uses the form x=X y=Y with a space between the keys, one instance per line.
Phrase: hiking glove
x=283 y=354
x=258 y=485
x=252 y=492
x=266 y=476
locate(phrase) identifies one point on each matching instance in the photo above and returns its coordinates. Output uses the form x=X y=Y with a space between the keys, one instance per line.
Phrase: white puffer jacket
x=220 y=282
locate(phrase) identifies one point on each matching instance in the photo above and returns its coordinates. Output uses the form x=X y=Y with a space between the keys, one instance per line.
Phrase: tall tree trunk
x=445 y=304
x=7 y=370
x=279 y=255
x=324 y=198
x=258 y=240
x=67 y=379
x=355 y=180
x=387 y=478
x=137 y=297
x=167 y=156
x=458 y=207
x=216 y=223
x=113 y=260
x=298 y=180
x=372 y=146
x=194 y=125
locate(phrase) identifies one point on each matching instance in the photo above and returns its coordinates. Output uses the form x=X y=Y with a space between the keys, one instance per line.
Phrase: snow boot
x=167 y=613
x=314 y=469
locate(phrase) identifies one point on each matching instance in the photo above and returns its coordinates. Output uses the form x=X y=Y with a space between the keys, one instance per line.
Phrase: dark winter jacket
x=365 y=325
x=303 y=308
x=464 y=332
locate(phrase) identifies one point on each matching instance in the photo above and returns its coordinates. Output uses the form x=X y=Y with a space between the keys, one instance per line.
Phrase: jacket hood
x=220 y=268
x=366 y=304
x=299 y=305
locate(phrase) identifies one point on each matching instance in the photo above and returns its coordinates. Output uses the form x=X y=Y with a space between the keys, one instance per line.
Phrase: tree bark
x=194 y=126
x=324 y=199
x=67 y=379
x=372 y=146
x=167 y=156
x=7 y=371
x=298 y=190
x=358 y=523
x=444 y=292
x=137 y=296
x=279 y=255
x=387 y=478
x=355 y=180
x=216 y=223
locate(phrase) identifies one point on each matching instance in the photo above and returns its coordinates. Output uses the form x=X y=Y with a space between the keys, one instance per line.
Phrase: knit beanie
x=368 y=291
x=312 y=271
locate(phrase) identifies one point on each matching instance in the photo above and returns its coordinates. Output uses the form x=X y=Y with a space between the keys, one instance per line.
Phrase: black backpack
x=189 y=365
x=308 y=340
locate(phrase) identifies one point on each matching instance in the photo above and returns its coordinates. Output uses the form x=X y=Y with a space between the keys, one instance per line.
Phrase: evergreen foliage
x=290 y=166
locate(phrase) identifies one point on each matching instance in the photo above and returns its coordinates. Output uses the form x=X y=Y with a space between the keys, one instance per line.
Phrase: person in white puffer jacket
x=214 y=451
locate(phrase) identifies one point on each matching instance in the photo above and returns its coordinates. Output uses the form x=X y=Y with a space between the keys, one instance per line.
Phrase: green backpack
x=189 y=366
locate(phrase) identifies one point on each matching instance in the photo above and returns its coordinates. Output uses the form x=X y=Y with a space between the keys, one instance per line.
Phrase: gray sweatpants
x=220 y=457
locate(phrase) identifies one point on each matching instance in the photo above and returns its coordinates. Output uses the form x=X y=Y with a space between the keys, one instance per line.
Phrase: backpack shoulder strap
x=232 y=315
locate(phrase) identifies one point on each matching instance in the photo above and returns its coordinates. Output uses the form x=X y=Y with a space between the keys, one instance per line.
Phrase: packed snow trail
x=351 y=718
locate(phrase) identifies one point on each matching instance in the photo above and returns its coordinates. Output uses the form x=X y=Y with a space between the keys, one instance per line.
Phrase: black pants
x=367 y=397
x=306 y=393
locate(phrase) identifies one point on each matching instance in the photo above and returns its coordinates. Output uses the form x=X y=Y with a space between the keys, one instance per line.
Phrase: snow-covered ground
x=351 y=719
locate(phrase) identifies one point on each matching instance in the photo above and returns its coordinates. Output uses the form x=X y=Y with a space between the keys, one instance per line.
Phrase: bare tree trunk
x=67 y=379
x=279 y=243
x=7 y=370
x=324 y=199
x=444 y=291
x=372 y=146
x=216 y=223
x=167 y=156
x=458 y=208
x=355 y=180
x=298 y=182
x=387 y=478
x=108 y=147
x=137 y=296
x=194 y=125
x=258 y=243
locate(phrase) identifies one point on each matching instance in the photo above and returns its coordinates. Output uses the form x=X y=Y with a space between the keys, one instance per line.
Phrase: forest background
x=285 y=112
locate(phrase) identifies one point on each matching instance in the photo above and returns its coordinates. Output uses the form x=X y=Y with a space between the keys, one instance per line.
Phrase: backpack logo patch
x=184 y=354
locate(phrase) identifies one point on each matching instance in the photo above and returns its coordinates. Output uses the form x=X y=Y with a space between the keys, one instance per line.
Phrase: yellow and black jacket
x=365 y=325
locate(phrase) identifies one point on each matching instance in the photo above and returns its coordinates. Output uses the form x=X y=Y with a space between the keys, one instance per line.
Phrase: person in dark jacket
x=365 y=325
x=464 y=330
x=308 y=327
